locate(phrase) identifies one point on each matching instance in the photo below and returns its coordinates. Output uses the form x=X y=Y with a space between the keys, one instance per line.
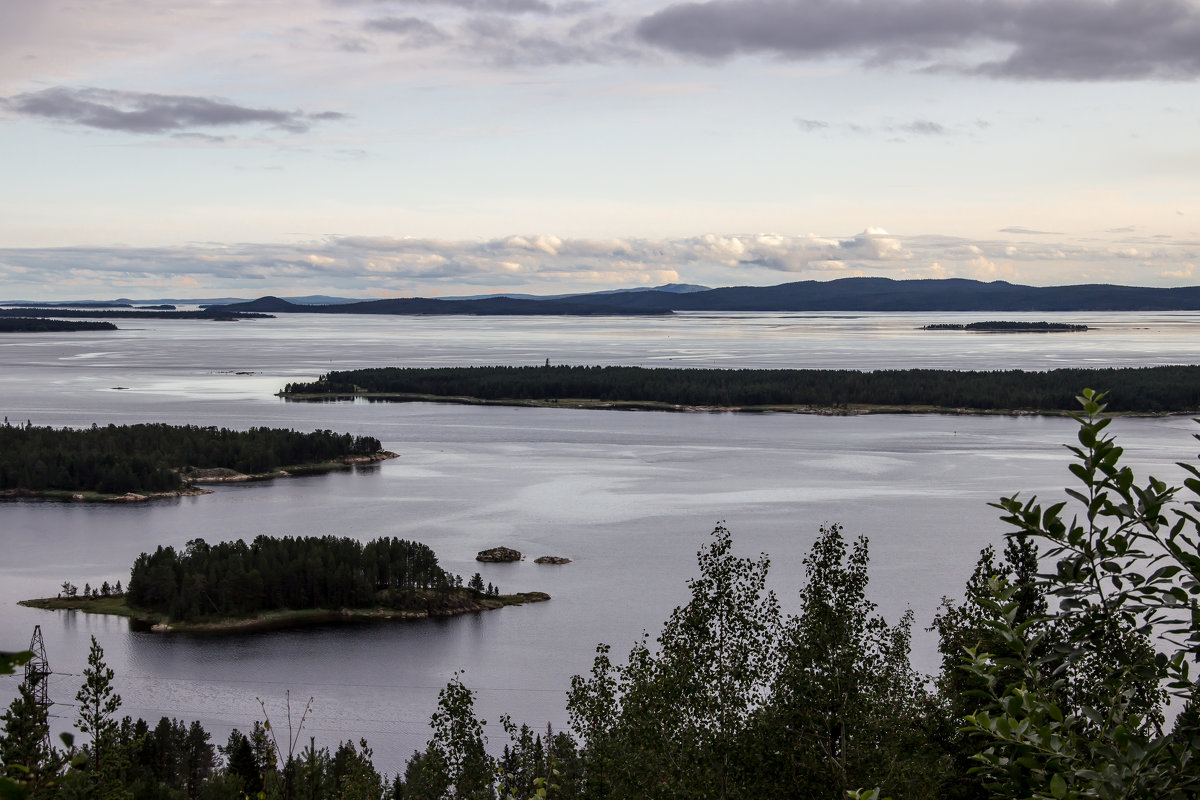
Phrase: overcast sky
x=373 y=148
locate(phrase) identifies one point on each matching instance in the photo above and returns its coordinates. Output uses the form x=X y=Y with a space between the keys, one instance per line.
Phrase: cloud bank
x=547 y=264
x=1078 y=40
x=136 y=112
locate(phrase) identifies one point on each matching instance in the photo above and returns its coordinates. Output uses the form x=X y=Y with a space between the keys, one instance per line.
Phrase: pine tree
x=23 y=750
x=98 y=703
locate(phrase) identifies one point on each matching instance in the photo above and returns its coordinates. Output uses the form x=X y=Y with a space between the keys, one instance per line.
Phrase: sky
x=384 y=148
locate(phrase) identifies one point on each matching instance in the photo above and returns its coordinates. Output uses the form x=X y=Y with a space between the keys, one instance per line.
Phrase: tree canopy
x=1140 y=389
x=114 y=459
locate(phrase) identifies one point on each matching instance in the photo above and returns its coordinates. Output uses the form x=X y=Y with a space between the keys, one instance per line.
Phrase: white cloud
x=549 y=264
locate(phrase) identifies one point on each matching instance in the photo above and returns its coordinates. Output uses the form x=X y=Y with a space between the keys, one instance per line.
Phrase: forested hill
x=1144 y=389
x=845 y=294
x=885 y=294
x=491 y=306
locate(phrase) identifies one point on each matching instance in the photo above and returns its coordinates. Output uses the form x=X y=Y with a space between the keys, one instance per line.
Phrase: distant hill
x=494 y=306
x=844 y=294
x=885 y=294
x=674 y=288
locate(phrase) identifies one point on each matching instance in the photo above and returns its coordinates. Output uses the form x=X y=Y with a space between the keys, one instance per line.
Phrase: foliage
x=1145 y=389
x=126 y=458
x=740 y=701
x=1072 y=698
x=97 y=703
x=455 y=761
x=27 y=760
x=10 y=661
x=36 y=325
x=233 y=579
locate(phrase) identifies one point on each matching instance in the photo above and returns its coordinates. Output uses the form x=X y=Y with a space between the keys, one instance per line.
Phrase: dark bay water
x=629 y=496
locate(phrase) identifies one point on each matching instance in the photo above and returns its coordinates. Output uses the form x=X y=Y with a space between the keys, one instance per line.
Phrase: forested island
x=1145 y=390
x=42 y=325
x=134 y=462
x=278 y=581
x=1002 y=326
x=485 y=306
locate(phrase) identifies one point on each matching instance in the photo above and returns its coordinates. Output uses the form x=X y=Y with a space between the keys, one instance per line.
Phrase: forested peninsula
x=39 y=325
x=138 y=462
x=1141 y=390
x=278 y=581
x=216 y=312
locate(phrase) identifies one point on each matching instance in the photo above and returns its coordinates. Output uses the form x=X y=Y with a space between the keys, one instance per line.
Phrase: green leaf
x=10 y=661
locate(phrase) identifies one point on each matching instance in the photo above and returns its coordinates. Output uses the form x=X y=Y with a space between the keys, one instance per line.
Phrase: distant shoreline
x=115 y=605
x=847 y=410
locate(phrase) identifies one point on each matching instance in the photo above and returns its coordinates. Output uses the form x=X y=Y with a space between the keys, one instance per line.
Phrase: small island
x=1000 y=326
x=498 y=555
x=551 y=560
x=274 y=582
x=130 y=463
x=40 y=325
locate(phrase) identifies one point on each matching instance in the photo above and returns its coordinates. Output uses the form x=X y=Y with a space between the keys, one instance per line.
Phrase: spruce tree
x=98 y=703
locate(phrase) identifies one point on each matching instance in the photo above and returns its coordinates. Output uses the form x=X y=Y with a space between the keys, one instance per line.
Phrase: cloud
x=512 y=33
x=548 y=264
x=484 y=6
x=923 y=127
x=415 y=32
x=892 y=129
x=811 y=125
x=1080 y=40
x=1029 y=231
x=137 y=112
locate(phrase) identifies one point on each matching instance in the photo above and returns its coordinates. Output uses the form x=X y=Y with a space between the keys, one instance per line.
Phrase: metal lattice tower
x=37 y=675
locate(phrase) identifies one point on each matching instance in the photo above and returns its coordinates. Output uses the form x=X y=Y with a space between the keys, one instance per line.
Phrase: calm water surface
x=629 y=496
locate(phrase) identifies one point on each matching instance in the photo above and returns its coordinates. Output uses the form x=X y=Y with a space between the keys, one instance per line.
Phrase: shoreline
x=153 y=622
x=849 y=410
x=195 y=479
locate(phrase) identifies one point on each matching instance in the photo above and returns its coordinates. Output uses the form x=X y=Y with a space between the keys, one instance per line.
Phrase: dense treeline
x=215 y=312
x=128 y=759
x=1057 y=665
x=129 y=458
x=1005 y=325
x=235 y=579
x=1142 y=389
x=37 y=325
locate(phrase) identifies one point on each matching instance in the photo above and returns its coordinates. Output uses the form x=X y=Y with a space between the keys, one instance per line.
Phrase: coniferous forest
x=37 y=325
x=1059 y=667
x=115 y=459
x=1141 y=389
x=235 y=579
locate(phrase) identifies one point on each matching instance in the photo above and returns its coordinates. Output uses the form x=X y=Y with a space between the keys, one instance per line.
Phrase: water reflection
x=629 y=497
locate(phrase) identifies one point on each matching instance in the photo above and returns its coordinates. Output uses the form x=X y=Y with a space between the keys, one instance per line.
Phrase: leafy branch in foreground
x=1071 y=700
